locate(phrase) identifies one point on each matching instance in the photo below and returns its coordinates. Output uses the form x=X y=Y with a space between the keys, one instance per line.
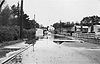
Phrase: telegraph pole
x=60 y=26
x=18 y=11
x=21 y=22
x=81 y=27
x=34 y=16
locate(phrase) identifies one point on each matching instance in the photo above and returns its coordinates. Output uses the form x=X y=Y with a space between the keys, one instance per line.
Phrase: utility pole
x=18 y=16
x=60 y=26
x=81 y=27
x=75 y=28
x=34 y=16
x=21 y=22
x=35 y=21
x=18 y=12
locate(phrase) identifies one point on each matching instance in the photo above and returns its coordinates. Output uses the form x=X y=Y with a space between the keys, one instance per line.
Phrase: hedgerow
x=9 y=33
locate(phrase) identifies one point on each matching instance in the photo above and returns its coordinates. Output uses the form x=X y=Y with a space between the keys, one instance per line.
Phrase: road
x=46 y=51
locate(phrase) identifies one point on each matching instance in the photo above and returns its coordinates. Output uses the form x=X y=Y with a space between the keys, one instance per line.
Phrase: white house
x=88 y=29
x=78 y=28
x=39 y=32
x=97 y=29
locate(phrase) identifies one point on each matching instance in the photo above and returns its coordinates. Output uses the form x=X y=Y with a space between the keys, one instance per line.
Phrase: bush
x=8 y=33
x=30 y=34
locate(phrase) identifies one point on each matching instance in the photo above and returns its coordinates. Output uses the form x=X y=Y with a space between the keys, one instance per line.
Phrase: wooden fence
x=16 y=58
x=84 y=35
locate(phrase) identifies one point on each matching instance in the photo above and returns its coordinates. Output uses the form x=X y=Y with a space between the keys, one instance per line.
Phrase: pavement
x=46 y=51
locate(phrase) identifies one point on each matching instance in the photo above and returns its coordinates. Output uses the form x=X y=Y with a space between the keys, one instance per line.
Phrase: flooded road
x=47 y=52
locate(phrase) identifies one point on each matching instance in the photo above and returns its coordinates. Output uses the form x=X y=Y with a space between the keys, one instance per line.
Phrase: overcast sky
x=51 y=11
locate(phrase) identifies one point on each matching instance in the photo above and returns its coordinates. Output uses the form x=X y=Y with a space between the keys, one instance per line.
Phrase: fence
x=14 y=59
x=87 y=37
x=84 y=35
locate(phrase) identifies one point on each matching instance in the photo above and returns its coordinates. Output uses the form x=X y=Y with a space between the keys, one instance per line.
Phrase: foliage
x=33 y=24
x=10 y=18
x=90 y=20
x=4 y=16
x=27 y=23
x=63 y=25
x=29 y=34
x=8 y=33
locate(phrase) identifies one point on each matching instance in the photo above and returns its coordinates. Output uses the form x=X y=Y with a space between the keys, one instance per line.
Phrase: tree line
x=89 y=21
x=10 y=18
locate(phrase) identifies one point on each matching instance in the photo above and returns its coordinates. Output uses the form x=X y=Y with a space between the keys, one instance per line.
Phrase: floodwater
x=46 y=51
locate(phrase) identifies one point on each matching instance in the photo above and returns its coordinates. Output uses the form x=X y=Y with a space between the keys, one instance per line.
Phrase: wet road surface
x=46 y=51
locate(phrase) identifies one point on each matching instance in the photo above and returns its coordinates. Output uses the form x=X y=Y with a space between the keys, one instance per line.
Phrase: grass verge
x=10 y=43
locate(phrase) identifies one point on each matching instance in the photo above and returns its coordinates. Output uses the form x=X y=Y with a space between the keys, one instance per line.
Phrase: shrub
x=8 y=33
x=30 y=34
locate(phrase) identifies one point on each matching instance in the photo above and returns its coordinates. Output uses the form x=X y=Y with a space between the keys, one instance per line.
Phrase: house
x=78 y=28
x=97 y=29
x=86 y=31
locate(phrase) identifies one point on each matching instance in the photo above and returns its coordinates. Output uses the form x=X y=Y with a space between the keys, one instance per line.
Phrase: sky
x=51 y=11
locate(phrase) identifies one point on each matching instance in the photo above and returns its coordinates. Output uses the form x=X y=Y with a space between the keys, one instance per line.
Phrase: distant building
x=87 y=29
x=39 y=32
x=78 y=28
x=97 y=29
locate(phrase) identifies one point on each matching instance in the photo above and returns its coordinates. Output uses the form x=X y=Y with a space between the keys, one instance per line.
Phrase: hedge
x=9 y=33
x=30 y=34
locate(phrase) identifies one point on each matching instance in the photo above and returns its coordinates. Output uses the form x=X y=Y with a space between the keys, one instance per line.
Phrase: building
x=78 y=28
x=97 y=29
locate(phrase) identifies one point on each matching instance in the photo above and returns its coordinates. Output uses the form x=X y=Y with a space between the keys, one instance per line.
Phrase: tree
x=15 y=10
x=33 y=24
x=63 y=25
x=56 y=25
x=68 y=25
x=12 y=17
x=25 y=22
x=90 y=21
x=15 y=13
x=4 y=16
